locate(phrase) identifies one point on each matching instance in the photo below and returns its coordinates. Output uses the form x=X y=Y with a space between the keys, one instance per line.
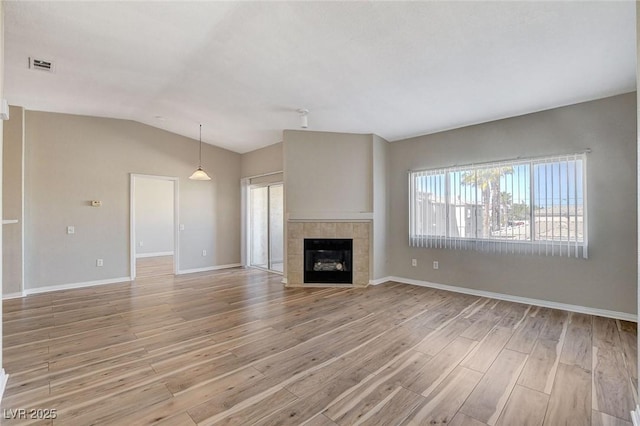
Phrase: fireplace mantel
x=330 y=216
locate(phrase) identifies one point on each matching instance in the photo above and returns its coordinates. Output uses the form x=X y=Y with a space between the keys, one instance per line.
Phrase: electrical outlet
x=99 y=262
x=182 y=226
x=71 y=229
x=436 y=265
x=204 y=252
x=141 y=243
x=414 y=262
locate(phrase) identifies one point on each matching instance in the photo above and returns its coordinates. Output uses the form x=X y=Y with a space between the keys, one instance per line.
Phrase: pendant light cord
x=200 y=174
x=200 y=159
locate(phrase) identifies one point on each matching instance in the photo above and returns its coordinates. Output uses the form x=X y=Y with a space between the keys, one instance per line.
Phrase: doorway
x=266 y=227
x=154 y=211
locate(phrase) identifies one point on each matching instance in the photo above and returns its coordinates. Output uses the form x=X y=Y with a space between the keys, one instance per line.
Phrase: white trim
x=157 y=177
x=208 y=268
x=244 y=221
x=4 y=378
x=536 y=302
x=15 y=295
x=160 y=253
x=284 y=280
x=380 y=281
x=635 y=416
x=262 y=175
x=132 y=226
x=22 y=202
x=176 y=224
x=72 y=286
x=9 y=221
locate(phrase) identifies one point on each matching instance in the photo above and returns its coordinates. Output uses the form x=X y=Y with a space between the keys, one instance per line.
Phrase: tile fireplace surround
x=298 y=230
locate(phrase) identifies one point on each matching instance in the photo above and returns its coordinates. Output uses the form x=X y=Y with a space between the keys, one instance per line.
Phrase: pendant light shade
x=200 y=174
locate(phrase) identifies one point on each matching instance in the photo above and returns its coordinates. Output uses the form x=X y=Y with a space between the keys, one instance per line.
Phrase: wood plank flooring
x=154 y=266
x=235 y=347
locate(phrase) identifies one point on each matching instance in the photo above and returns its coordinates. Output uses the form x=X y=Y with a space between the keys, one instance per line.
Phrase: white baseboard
x=47 y=289
x=536 y=302
x=635 y=416
x=158 y=254
x=208 y=268
x=4 y=378
x=379 y=281
x=13 y=295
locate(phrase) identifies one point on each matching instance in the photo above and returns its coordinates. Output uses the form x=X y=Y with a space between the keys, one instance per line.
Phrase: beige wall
x=607 y=280
x=261 y=161
x=327 y=172
x=71 y=160
x=12 y=203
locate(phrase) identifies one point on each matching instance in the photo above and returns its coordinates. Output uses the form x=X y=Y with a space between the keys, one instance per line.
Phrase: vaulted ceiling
x=242 y=69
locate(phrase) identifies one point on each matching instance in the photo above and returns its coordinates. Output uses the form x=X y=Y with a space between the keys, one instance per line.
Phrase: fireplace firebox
x=328 y=260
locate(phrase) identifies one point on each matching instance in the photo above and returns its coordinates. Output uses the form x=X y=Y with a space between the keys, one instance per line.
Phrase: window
x=535 y=206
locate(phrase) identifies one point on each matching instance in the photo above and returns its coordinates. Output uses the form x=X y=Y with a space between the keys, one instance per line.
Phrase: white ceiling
x=397 y=69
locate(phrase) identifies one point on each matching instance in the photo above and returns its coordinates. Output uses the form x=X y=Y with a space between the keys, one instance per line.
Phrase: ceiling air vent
x=40 y=64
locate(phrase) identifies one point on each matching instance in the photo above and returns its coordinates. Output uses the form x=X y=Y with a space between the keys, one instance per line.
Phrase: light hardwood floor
x=154 y=266
x=235 y=347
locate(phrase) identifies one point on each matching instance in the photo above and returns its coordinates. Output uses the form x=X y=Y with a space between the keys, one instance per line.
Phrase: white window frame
x=546 y=247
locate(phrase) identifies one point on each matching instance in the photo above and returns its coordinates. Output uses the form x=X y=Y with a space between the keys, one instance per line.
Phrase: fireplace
x=328 y=260
x=357 y=232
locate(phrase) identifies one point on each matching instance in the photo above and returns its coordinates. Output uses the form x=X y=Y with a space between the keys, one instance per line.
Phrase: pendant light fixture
x=200 y=174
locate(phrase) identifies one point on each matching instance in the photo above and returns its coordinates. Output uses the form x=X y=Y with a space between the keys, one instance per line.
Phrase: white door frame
x=245 y=240
x=250 y=229
x=245 y=217
x=132 y=215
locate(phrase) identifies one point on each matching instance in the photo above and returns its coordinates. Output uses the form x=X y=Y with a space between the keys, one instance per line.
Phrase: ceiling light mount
x=304 y=117
x=200 y=174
